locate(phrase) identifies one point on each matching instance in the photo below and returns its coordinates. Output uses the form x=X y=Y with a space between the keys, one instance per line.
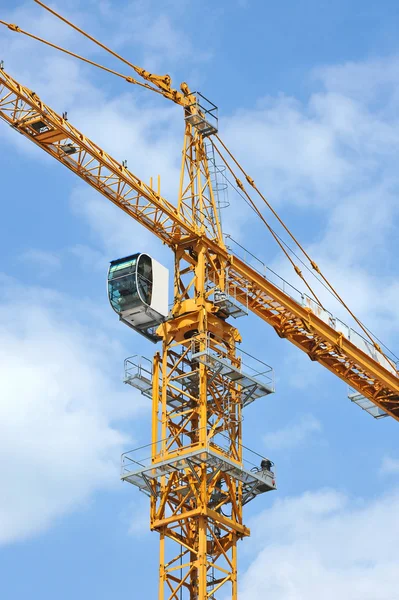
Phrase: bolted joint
x=315 y=266
x=239 y=184
x=298 y=270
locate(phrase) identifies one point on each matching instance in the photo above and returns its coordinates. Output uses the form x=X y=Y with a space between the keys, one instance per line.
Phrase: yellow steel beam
x=22 y=108
x=319 y=340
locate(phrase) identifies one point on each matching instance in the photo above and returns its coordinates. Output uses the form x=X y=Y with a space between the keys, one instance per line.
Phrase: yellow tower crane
x=194 y=470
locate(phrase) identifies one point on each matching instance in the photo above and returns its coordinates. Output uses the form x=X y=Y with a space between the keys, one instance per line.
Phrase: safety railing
x=245 y=368
x=138 y=373
x=150 y=454
x=366 y=404
x=388 y=360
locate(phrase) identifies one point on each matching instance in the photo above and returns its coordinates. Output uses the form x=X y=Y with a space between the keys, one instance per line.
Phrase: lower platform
x=256 y=480
x=366 y=404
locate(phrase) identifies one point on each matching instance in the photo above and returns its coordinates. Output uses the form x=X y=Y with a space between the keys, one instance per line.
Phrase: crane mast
x=192 y=408
x=194 y=470
x=196 y=442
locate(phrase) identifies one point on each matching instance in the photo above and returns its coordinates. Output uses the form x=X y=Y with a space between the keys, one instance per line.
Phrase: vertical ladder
x=217 y=177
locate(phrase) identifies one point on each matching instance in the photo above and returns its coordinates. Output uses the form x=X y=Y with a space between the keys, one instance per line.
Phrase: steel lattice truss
x=22 y=109
x=196 y=505
x=195 y=475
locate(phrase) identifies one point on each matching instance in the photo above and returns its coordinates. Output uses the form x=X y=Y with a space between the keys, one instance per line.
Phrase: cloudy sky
x=308 y=96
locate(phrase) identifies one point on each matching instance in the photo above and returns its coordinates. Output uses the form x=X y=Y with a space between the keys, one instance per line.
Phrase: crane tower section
x=196 y=471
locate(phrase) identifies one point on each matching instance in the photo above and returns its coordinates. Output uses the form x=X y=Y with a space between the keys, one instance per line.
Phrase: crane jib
x=23 y=110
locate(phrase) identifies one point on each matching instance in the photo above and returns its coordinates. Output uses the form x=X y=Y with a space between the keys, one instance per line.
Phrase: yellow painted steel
x=161 y=84
x=191 y=409
x=198 y=541
x=21 y=108
x=196 y=510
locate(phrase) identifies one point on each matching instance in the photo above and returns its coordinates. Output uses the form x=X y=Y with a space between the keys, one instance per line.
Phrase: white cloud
x=390 y=466
x=45 y=262
x=112 y=231
x=367 y=81
x=325 y=545
x=303 y=152
x=88 y=257
x=60 y=403
x=328 y=164
x=157 y=34
x=293 y=434
x=137 y=517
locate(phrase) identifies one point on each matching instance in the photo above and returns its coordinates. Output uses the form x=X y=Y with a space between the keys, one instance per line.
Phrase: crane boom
x=371 y=373
x=26 y=113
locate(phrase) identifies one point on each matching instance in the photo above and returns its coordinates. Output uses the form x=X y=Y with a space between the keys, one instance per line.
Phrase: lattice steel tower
x=194 y=471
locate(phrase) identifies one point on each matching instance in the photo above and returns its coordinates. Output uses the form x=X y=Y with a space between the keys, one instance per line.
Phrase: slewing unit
x=138 y=292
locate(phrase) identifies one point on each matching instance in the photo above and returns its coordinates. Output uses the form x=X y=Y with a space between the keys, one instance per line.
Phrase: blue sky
x=308 y=99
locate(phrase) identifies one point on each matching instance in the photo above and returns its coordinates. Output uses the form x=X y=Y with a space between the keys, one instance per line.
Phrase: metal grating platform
x=253 y=386
x=367 y=405
x=256 y=481
x=138 y=374
x=256 y=384
x=229 y=305
x=202 y=114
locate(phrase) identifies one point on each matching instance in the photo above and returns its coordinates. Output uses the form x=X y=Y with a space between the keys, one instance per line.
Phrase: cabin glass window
x=122 y=287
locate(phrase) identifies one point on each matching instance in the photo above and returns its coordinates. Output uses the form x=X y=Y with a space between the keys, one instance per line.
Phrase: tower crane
x=195 y=469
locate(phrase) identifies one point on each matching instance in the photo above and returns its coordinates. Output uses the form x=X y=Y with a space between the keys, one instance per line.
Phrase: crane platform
x=144 y=473
x=254 y=383
x=366 y=404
